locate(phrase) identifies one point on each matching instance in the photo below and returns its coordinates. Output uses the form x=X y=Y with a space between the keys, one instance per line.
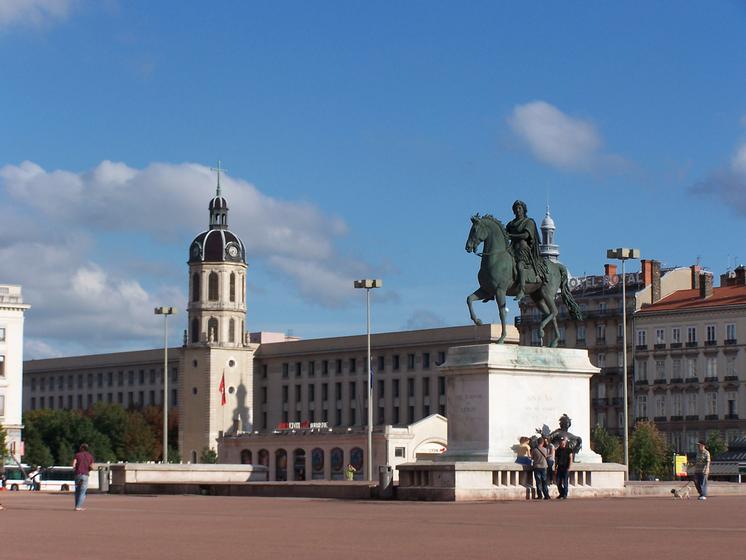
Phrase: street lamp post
x=368 y=285
x=165 y=311
x=623 y=254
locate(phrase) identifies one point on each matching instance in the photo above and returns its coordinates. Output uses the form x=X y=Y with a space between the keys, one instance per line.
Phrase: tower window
x=195 y=330
x=212 y=290
x=232 y=331
x=233 y=288
x=212 y=330
x=195 y=287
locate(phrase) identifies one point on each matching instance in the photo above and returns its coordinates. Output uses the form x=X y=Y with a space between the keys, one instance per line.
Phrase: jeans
x=540 y=475
x=700 y=481
x=81 y=487
x=563 y=480
x=550 y=471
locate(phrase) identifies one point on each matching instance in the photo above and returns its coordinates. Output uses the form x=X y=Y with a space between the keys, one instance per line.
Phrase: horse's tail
x=567 y=298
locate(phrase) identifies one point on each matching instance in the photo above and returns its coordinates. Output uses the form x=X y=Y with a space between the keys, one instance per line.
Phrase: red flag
x=221 y=388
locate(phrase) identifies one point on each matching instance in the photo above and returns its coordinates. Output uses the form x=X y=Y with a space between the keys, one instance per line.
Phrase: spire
x=218 y=205
x=218 y=169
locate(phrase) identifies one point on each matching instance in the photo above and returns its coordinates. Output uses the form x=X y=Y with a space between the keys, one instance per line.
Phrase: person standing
x=563 y=462
x=539 y=459
x=549 y=448
x=702 y=469
x=82 y=464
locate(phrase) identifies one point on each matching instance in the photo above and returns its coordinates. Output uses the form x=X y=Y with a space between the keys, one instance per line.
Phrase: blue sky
x=359 y=138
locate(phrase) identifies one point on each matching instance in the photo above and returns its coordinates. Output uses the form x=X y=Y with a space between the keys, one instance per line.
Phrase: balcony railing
x=691 y=344
x=675 y=345
x=659 y=346
x=731 y=416
x=711 y=379
x=675 y=380
x=711 y=342
x=730 y=341
x=692 y=380
x=711 y=417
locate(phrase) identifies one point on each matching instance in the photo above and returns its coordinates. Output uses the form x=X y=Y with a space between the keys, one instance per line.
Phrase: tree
x=716 y=444
x=111 y=421
x=208 y=456
x=139 y=441
x=648 y=451
x=609 y=447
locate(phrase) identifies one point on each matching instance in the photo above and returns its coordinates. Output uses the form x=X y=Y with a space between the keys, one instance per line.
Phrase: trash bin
x=103 y=478
x=385 y=482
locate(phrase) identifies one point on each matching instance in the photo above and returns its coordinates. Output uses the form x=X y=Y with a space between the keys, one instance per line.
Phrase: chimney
x=705 y=285
x=655 y=272
x=695 y=268
x=728 y=279
x=609 y=270
x=646 y=270
x=740 y=276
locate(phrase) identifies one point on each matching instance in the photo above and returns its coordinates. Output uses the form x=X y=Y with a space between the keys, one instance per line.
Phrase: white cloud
x=558 y=139
x=78 y=296
x=727 y=184
x=33 y=12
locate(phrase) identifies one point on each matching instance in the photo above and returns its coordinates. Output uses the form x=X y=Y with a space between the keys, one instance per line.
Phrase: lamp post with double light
x=624 y=254
x=165 y=311
x=368 y=285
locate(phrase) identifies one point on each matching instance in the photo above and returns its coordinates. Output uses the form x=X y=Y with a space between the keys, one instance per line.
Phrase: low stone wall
x=126 y=474
x=347 y=490
x=469 y=481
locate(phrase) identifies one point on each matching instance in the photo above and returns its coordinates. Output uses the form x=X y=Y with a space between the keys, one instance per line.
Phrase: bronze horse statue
x=497 y=277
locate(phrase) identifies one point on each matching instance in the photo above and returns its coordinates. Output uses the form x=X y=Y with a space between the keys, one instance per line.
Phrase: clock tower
x=217 y=361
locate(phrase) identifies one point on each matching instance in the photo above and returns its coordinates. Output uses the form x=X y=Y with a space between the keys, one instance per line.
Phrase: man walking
x=563 y=462
x=701 y=469
x=82 y=464
x=539 y=458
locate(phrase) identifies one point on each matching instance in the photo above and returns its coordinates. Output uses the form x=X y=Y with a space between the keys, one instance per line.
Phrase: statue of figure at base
x=575 y=443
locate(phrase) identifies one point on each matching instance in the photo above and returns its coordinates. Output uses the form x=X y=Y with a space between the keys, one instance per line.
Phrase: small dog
x=681 y=493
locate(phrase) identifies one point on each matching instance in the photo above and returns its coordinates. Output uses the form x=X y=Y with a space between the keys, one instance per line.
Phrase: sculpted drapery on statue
x=525 y=240
x=512 y=265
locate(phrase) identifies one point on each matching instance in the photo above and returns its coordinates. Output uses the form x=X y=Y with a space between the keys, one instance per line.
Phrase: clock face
x=233 y=251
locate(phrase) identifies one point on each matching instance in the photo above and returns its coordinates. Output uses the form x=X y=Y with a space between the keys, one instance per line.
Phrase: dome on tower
x=547 y=222
x=217 y=244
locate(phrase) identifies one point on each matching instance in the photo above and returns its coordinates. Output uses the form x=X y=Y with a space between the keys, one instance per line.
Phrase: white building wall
x=12 y=309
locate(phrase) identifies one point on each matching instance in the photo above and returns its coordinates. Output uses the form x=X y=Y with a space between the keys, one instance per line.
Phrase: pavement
x=38 y=526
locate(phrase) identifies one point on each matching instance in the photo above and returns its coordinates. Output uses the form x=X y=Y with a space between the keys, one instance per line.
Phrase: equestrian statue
x=512 y=265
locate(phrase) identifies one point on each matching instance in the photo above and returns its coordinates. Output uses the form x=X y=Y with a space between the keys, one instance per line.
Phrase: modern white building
x=12 y=311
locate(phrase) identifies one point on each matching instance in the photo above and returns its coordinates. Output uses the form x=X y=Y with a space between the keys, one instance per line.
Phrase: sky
x=359 y=138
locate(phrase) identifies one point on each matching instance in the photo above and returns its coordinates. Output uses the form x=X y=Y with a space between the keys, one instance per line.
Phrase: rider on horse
x=524 y=236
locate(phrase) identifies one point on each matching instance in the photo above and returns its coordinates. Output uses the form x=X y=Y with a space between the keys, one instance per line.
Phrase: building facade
x=12 y=311
x=131 y=379
x=600 y=300
x=690 y=361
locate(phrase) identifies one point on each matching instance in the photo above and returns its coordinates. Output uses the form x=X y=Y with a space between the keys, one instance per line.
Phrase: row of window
x=337 y=463
x=213 y=330
x=99 y=378
x=325 y=367
x=686 y=368
x=691 y=335
x=426 y=408
x=687 y=404
x=133 y=399
x=213 y=287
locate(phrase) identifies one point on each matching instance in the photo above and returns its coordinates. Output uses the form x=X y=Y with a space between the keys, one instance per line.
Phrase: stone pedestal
x=500 y=392
x=496 y=394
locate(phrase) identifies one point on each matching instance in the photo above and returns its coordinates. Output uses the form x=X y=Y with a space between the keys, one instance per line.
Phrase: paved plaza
x=44 y=526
